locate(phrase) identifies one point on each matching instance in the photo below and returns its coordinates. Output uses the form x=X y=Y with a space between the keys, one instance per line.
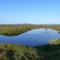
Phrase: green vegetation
x=54 y=42
x=18 y=52
x=48 y=52
x=12 y=30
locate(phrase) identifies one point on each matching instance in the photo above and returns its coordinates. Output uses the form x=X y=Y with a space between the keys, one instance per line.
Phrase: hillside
x=19 y=52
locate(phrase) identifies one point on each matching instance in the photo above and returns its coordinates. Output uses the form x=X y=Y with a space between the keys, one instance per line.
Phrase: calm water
x=32 y=38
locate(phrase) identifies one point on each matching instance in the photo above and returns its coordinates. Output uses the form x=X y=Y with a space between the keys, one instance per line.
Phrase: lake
x=31 y=38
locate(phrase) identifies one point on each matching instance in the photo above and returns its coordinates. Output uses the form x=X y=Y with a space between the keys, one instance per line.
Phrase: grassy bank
x=12 y=30
x=44 y=52
x=16 y=52
x=54 y=42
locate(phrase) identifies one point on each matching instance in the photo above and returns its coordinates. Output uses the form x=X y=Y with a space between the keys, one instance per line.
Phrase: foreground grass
x=44 y=52
x=18 y=52
x=48 y=52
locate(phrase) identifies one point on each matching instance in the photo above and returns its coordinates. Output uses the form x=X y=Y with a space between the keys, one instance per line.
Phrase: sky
x=30 y=11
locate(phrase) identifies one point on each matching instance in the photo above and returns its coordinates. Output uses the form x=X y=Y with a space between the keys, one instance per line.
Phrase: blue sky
x=30 y=11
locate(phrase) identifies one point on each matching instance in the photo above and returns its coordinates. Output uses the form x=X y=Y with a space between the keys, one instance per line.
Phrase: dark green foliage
x=49 y=52
x=10 y=54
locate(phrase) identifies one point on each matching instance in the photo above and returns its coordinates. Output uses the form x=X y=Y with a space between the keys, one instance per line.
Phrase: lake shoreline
x=13 y=30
